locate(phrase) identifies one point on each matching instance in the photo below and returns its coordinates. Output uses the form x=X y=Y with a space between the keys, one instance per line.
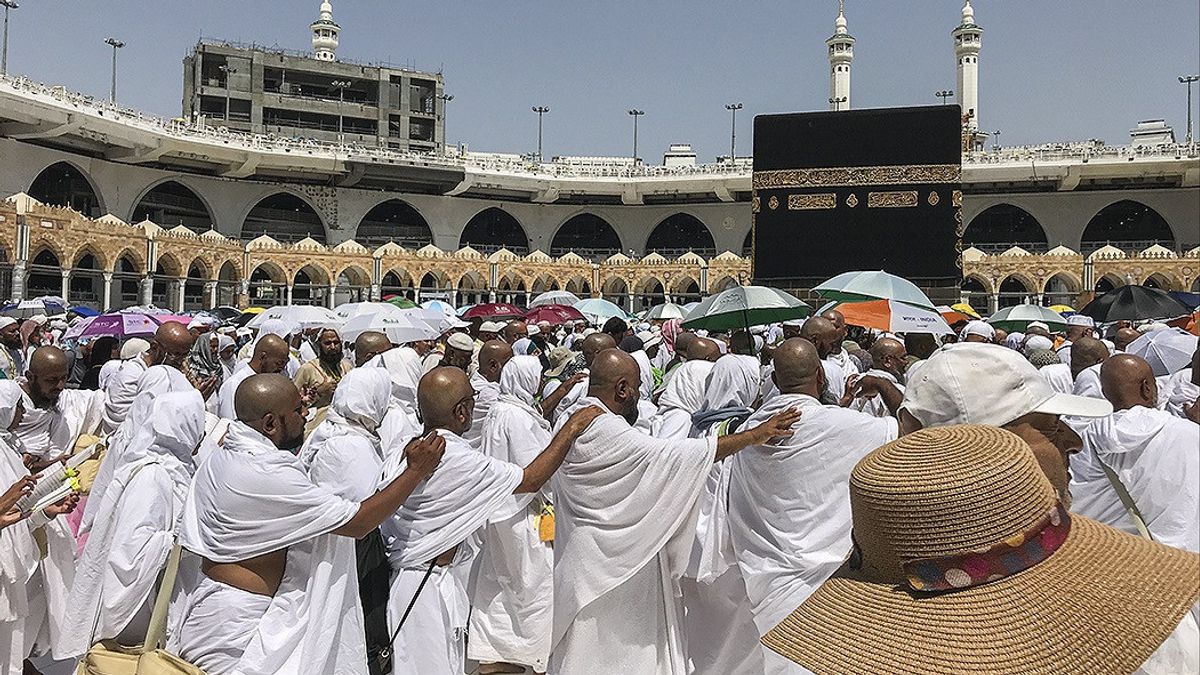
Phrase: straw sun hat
x=965 y=562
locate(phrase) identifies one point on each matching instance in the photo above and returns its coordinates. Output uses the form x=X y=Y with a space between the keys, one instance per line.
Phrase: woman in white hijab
x=512 y=596
x=343 y=453
x=400 y=424
x=133 y=528
x=683 y=398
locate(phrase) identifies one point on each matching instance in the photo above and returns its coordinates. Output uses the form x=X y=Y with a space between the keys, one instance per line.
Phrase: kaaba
x=876 y=189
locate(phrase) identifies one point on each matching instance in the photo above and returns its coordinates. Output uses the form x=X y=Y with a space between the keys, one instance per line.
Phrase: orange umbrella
x=893 y=317
x=953 y=316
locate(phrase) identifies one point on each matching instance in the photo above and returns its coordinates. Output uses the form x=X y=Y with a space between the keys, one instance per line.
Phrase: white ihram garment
x=625 y=506
x=835 y=378
x=486 y=394
x=134 y=527
x=18 y=550
x=154 y=382
x=721 y=635
x=1058 y=376
x=874 y=405
x=464 y=493
x=513 y=578
x=400 y=424
x=789 y=503
x=1157 y=457
x=1179 y=391
x=248 y=499
x=119 y=391
x=1088 y=383
x=683 y=397
x=224 y=396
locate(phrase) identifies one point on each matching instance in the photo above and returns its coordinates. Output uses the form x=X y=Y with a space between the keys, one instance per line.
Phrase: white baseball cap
x=1081 y=320
x=1037 y=324
x=980 y=383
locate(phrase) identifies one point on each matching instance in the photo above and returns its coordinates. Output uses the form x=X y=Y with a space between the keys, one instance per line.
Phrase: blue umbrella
x=84 y=311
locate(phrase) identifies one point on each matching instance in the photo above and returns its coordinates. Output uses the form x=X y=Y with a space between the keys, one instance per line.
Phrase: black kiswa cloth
x=857 y=190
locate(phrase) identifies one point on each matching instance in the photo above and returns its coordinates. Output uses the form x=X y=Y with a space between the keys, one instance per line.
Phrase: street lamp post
x=540 y=110
x=995 y=140
x=224 y=68
x=733 y=108
x=635 y=113
x=8 y=4
x=837 y=102
x=944 y=94
x=1186 y=81
x=115 y=44
x=340 y=85
x=446 y=98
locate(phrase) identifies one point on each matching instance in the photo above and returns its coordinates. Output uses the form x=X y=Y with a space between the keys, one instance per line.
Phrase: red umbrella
x=554 y=314
x=494 y=310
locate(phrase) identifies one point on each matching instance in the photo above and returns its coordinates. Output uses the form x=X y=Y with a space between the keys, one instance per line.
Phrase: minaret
x=325 y=34
x=841 y=53
x=966 y=49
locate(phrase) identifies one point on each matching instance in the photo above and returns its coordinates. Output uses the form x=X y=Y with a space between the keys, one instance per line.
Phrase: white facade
x=841 y=53
x=967 y=41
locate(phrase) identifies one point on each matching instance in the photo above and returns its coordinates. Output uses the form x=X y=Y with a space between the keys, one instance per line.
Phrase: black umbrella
x=1134 y=303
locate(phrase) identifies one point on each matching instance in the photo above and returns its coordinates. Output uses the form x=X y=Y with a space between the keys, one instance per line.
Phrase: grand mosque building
x=303 y=177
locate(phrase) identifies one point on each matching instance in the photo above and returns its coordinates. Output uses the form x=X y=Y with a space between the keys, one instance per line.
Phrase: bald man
x=170 y=346
x=823 y=335
x=53 y=418
x=703 y=349
x=561 y=399
x=253 y=514
x=270 y=355
x=1087 y=354
x=369 y=344
x=789 y=539
x=514 y=330
x=1124 y=336
x=839 y=355
x=889 y=360
x=431 y=537
x=623 y=505
x=486 y=380
x=1152 y=453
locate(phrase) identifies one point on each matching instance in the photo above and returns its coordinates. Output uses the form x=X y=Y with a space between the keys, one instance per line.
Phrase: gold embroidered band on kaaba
x=913 y=174
x=809 y=202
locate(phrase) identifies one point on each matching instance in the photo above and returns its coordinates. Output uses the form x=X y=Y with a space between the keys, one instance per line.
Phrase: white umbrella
x=400 y=325
x=665 y=311
x=1168 y=351
x=862 y=286
x=555 y=298
x=894 y=317
x=598 y=310
x=1018 y=317
x=299 y=316
x=352 y=309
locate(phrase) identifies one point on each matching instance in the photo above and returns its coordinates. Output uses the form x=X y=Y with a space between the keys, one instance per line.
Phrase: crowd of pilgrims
x=575 y=499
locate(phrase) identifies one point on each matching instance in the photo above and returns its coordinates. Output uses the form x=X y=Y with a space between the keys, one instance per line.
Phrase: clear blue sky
x=1050 y=71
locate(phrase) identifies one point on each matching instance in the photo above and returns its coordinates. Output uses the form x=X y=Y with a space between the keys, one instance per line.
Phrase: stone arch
x=195 y=285
x=284 y=216
x=722 y=284
x=685 y=289
x=65 y=183
x=164 y=289
x=587 y=235
x=472 y=288
x=679 y=233
x=1128 y=225
x=228 y=284
x=1162 y=281
x=45 y=273
x=87 y=277
x=512 y=287
x=1063 y=288
x=1109 y=282
x=268 y=284
x=615 y=289
x=101 y=261
x=310 y=286
x=975 y=290
x=128 y=271
x=648 y=291
x=545 y=282
x=492 y=229
x=397 y=281
x=1001 y=226
x=170 y=203
x=393 y=220
x=580 y=286
x=1015 y=289
x=353 y=285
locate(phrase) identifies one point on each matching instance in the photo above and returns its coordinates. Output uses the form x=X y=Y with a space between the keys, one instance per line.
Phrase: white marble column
x=211 y=288
x=104 y=302
x=66 y=284
x=178 y=284
x=331 y=301
x=288 y=296
x=147 y=290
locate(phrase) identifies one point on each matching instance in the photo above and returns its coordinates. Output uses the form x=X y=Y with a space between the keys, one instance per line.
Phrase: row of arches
x=289 y=217
x=1124 y=224
x=1060 y=289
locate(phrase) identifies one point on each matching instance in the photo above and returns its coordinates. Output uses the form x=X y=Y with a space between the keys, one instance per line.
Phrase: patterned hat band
x=975 y=568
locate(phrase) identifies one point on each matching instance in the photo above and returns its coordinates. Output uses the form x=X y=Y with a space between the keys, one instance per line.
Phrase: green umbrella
x=1018 y=317
x=402 y=302
x=743 y=307
x=863 y=286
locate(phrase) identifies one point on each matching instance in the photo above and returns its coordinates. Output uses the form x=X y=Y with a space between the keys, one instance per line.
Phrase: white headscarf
x=169 y=434
x=343 y=454
x=687 y=387
x=10 y=395
x=404 y=366
x=734 y=381
x=18 y=552
x=520 y=381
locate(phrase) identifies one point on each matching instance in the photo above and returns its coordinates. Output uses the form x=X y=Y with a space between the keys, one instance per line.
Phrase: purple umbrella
x=119 y=325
